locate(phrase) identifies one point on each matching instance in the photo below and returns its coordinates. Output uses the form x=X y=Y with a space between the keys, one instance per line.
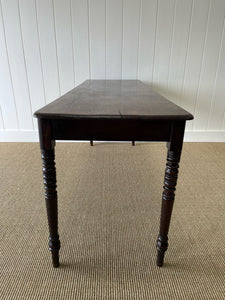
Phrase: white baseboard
x=204 y=136
x=190 y=136
x=19 y=136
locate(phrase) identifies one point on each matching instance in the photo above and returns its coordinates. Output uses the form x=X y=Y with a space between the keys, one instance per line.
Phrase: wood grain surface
x=113 y=99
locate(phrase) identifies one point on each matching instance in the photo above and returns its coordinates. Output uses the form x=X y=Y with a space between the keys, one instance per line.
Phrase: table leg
x=49 y=177
x=170 y=181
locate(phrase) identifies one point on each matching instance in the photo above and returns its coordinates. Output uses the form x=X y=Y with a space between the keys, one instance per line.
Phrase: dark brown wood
x=49 y=176
x=113 y=99
x=111 y=110
x=170 y=181
x=111 y=130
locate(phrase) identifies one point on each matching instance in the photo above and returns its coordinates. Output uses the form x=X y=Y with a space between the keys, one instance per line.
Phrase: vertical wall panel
x=17 y=63
x=48 y=48
x=217 y=109
x=97 y=38
x=32 y=54
x=179 y=49
x=194 y=56
x=223 y=124
x=131 y=22
x=64 y=43
x=80 y=40
x=209 y=67
x=147 y=37
x=114 y=11
x=7 y=101
x=163 y=44
x=1 y=119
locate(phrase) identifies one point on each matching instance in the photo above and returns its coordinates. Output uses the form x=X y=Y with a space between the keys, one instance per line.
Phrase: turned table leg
x=49 y=177
x=170 y=181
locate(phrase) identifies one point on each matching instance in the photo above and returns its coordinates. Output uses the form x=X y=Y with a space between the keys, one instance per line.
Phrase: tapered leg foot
x=54 y=246
x=55 y=258
x=160 y=259
x=133 y=143
x=91 y=143
x=161 y=246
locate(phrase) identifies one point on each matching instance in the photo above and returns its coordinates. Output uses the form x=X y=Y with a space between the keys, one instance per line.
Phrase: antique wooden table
x=111 y=110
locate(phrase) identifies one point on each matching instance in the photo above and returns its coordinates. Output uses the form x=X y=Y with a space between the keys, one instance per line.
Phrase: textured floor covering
x=109 y=205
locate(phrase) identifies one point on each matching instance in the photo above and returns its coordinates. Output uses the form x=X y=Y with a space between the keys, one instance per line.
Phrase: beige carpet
x=109 y=206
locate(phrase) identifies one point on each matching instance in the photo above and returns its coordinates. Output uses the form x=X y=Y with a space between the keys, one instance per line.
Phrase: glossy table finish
x=111 y=110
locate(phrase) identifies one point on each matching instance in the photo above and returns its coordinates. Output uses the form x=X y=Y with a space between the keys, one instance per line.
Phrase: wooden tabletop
x=128 y=99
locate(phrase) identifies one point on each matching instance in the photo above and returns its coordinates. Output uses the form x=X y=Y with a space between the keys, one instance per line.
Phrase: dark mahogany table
x=111 y=110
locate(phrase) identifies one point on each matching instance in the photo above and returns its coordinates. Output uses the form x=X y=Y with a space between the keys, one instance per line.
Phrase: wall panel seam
x=155 y=42
x=56 y=49
x=72 y=42
x=202 y=60
x=39 y=46
x=25 y=64
x=223 y=123
x=105 y=39
x=216 y=75
x=122 y=39
x=1 y=115
x=89 y=37
x=187 y=52
x=139 y=33
x=10 y=73
x=172 y=45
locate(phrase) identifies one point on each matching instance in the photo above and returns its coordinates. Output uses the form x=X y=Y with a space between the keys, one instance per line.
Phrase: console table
x=111 y=110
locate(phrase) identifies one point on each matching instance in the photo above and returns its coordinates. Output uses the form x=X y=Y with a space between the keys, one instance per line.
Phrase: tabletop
x=113 y=99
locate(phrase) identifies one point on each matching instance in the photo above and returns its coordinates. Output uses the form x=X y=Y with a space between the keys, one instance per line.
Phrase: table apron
x=111 y=130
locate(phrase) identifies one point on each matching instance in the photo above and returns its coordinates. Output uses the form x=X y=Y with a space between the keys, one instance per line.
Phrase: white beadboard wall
x=49 y=46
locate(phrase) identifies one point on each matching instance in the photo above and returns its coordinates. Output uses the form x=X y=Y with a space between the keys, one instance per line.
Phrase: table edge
x=112 y=117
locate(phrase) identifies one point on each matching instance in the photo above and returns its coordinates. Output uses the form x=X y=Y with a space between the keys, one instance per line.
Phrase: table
x=111 y=110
